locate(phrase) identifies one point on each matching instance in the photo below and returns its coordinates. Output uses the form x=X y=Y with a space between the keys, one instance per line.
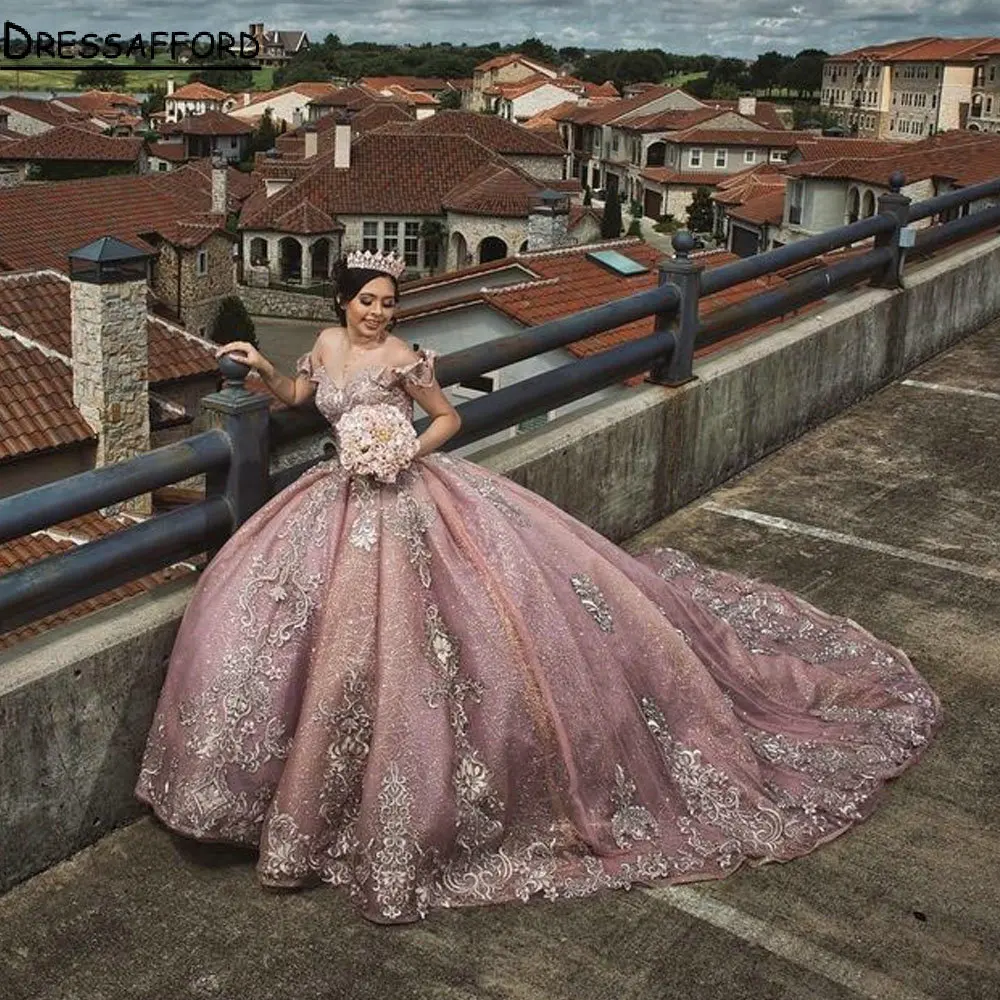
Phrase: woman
x=446 y=691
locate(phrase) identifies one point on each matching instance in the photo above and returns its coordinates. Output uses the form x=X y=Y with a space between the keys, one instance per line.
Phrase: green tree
x=765 y=73
x=451 y=100
x=535 y=48
x=97 y=79
x=155 y=101
x=700 y=213
x=263 y=138
x=635 y=228
x=611 y=221
x=233 y=322
x=804 y=74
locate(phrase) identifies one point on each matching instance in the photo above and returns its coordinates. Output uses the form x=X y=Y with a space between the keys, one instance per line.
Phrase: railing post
x=244 y=417
x=897 y=206
x=685 y=275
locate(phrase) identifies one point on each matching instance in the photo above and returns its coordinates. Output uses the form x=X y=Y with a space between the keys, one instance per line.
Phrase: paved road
x=887 y=514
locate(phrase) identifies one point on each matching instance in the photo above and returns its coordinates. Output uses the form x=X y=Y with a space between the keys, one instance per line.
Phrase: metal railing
x=234 y=453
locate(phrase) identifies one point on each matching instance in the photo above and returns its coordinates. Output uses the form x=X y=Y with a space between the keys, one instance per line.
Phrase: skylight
x=617 y=262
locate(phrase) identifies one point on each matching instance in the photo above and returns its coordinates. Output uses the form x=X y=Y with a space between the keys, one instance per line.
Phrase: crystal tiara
x=387 y=263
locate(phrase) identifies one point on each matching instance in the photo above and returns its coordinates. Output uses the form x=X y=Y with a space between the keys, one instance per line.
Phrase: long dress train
x=448 y=691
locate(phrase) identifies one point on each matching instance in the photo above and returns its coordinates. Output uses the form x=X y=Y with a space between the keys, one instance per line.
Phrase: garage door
x=652 y=204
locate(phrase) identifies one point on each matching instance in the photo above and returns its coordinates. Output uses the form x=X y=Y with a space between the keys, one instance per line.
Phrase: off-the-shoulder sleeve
x=420 y=372
x=304 y=366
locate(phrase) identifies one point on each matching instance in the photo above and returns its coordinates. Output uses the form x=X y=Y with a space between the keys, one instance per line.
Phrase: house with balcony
x=984 y=114
x=905 y=90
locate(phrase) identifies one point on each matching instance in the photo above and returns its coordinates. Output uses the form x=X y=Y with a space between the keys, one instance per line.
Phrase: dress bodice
x=368 y=385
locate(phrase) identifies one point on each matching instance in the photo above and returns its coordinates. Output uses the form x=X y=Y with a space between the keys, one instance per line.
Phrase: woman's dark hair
x=349 y=281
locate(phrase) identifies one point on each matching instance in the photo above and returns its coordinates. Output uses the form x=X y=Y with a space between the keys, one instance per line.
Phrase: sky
x=740 y=28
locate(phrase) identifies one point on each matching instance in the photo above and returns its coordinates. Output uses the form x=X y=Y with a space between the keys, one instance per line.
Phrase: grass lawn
x=679 y=79
x=26 y=78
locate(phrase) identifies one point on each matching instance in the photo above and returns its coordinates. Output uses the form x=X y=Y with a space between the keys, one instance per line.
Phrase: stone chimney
x=342 y=143
x=312 y=141
x=548 y=221
x=747 y=105
x=108 y=286
x=170 y=85
x=220 y=185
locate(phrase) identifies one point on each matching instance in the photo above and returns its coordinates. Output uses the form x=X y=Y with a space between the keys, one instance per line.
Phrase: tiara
x=388 y=263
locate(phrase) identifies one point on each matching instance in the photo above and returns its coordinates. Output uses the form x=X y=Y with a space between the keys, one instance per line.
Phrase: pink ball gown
x=447 y=692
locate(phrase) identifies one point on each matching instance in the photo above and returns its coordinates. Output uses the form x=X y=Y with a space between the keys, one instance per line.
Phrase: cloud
x=718 y=26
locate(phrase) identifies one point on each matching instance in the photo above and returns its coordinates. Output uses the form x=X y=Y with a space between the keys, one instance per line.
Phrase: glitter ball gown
x=448 y=691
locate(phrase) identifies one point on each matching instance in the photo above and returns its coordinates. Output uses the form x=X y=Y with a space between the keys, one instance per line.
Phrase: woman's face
x=371 y=310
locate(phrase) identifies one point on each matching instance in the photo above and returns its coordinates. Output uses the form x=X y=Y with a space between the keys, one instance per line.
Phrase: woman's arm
x=445 y=421
x=291 y=391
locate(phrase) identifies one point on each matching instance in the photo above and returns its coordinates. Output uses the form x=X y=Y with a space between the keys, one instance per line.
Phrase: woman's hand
x=247 y=354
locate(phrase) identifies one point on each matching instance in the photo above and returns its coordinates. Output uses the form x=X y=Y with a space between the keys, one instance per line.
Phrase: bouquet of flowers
x=376 y=440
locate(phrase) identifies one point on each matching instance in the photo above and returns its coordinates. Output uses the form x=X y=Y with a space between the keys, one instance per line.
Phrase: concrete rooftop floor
x=888 y=514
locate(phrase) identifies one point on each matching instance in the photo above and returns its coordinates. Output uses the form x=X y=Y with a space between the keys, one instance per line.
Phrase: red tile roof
x=521 y=87
x=766 y=207
x=172 y=151
x=44 y=111
x=427 y=84
x=751 y=183
x=605 y=113
x=306 y=219
x=209 y=123
x=783 y=139
x=381 y=179
x=667 y=175
x=827 y=147
x=946 y=154
x=932 y=49
x=498 y=62
x=78 y=211
x=69 y=142
x=355 y=97
x=495 y=189
x=671 y=121
x=765 y=113
x=498 y=134
x=198 y=91
x=413 y=98
x=102 y=101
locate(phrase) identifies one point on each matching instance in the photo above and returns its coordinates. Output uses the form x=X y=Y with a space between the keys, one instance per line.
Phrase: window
x=779 y=155
x=390 y=237
x=721 y=158
x=694 y=157
x=232 y=142
x=749 y=156
x=369 y=236
x=795 y=203
x=615 y=141
x=161 y=166
x=202 y=262
x=411 y=243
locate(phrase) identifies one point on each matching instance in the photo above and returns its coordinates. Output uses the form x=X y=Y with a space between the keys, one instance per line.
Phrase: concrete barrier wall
x=76 y=703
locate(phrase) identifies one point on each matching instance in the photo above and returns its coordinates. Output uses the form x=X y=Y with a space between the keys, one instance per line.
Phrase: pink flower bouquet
x=376 y=440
